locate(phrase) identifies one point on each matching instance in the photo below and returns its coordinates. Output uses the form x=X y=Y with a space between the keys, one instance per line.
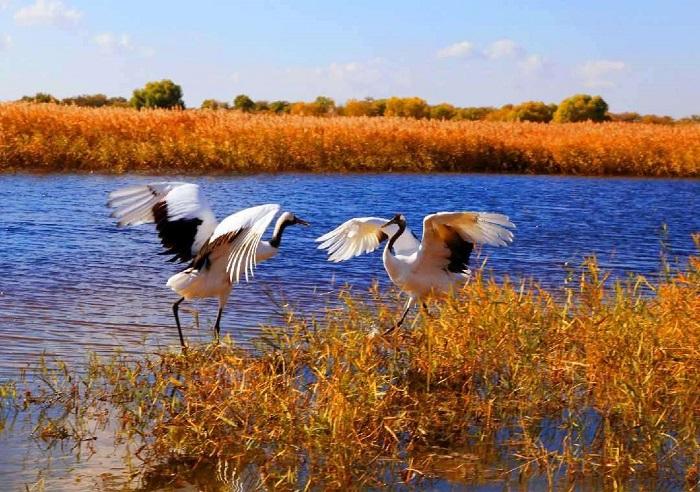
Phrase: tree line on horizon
x=168 y=95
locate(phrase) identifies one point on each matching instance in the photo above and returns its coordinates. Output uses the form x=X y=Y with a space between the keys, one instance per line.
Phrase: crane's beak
x=301 y=222
x=392 y=221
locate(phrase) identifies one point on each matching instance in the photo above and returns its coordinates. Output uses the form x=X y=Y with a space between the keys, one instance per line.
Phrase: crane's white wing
x=182 y=216
x=363 y=235
x=241 y=233
x=449 y=237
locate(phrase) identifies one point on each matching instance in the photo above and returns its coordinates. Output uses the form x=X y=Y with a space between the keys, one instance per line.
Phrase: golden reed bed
x=48 y=138
x=595 y=381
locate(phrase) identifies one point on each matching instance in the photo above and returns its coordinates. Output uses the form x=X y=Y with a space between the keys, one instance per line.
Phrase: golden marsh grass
x=49 y=138
x=504 y=380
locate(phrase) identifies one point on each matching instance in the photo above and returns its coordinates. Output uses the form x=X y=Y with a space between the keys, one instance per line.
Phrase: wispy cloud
x=112 y=44
x=504 y=48
x=5 y=42
x=501 y=49
x=353 y=73
x=601 y=73
x=462 y=49
x=532 y=64
x=355 y=78
x=48 y=13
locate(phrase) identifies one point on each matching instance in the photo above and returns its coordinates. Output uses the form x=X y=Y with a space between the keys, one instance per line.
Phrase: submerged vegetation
x=505 y=380
x=49 y=137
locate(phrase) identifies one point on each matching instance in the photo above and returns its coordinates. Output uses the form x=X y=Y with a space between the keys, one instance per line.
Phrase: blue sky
x=639 y=55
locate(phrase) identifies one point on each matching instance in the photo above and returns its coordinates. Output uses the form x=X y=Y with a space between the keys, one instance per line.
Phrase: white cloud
x=350 y=73
x=5 y=42
x=48 y=13
x=532 y=64
x=112 y=44
x=503 y=48
x=601 y=73
x=4 y=4
x=462 y=49
x=375 y=77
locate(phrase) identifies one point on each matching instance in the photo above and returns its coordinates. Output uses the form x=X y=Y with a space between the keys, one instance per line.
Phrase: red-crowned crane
x=436 y=265
x=219 y=254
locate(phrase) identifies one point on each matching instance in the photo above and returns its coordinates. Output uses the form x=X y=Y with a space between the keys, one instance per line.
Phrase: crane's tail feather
x=181 y=282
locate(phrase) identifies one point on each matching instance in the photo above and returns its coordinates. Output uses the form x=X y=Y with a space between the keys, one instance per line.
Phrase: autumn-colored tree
x=474 y=113
x=581 y=107
x=443 y=111
x=158 y=94
x=357 y=107
x=409 y=107
x=504 y=113
x=628 y=117
x=322 y=106
x=693 y=118
x=364 y=107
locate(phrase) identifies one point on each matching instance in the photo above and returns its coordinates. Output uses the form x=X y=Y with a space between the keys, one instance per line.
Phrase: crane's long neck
x=281 y=224
x=392 y=240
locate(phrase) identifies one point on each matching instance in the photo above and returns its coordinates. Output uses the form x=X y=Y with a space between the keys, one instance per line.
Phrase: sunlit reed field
x=48 y=138
x=506 y=380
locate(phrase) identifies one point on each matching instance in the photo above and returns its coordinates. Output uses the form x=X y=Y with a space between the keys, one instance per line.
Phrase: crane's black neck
x=279 y=230
x=402 y=227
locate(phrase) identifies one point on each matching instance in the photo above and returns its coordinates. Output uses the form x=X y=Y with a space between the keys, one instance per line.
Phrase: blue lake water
x=72 y=282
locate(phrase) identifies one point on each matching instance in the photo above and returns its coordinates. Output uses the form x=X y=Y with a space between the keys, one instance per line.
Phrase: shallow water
x=73 y=282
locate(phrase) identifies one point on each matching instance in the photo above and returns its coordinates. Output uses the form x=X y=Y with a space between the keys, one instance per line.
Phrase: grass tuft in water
x=503 y=381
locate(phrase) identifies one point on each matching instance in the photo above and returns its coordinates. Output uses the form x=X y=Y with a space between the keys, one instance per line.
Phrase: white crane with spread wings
x=219 y=254
x=435 y=265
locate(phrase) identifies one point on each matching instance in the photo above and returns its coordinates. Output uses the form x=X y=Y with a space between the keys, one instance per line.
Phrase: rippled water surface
x=72 y=282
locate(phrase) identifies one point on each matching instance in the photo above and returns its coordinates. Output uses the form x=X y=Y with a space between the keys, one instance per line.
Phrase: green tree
x=118 y=102
x=158 y=94
x=214 y=104
x=325 y=105
x=95 y=101
x=279 y=107
x=243 y=103
x=40 y=97
x=443 y=111
x=261 y=106
x=581 y=107
x=536 y=111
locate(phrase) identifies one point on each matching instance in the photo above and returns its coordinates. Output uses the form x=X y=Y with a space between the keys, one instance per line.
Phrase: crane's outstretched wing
x=363 y=235
x=449 y=237
x=239 y=235
x=182 y=216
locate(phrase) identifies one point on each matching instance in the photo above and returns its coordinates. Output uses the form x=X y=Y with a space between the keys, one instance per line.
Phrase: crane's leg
x=217 y=325
x=409 y=303
x=176 y=307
